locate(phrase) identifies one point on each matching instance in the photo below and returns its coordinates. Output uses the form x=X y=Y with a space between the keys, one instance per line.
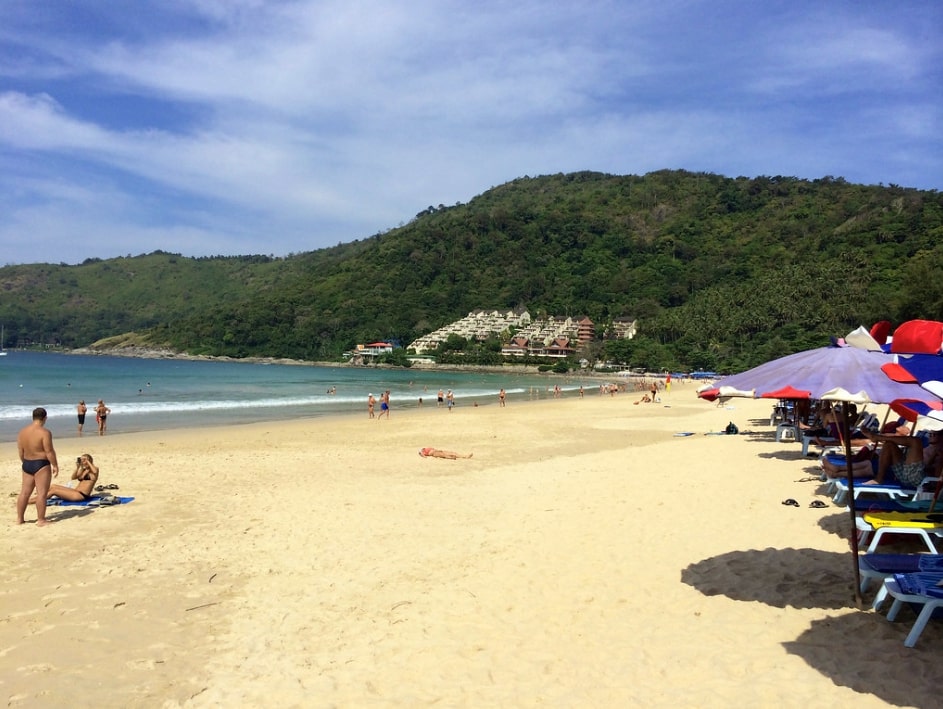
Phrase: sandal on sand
x=790 y=502
x=818 y=504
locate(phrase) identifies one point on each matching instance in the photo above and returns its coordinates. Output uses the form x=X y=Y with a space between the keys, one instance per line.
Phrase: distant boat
x=3 y=352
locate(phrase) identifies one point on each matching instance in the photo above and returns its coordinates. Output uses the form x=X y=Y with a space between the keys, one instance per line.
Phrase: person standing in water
x=101 y=413
x=384 y=405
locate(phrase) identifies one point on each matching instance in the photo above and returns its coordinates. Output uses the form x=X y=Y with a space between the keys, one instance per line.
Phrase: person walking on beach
x=101 y=415
x=40 y=465
x=384 y=405
x=440 y=397
x=450 y=400
x=371 y=402
x=501 y=397
x=81 y=409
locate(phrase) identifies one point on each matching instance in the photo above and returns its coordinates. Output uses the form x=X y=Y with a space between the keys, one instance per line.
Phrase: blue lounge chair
x=922 y=589
x=889 y=490
x=883 y=566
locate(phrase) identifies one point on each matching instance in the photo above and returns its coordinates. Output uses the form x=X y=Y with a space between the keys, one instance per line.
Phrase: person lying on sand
x=439 y=453
x=86 y=472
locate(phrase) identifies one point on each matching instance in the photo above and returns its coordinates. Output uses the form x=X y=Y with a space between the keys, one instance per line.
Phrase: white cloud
x=39 y=123
x=315 y=122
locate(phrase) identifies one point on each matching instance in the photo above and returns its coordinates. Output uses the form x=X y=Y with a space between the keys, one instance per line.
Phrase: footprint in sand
x=35 y=669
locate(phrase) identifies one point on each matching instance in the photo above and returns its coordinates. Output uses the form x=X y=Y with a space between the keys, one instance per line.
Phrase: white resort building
x=478 y=325
x=552 y=337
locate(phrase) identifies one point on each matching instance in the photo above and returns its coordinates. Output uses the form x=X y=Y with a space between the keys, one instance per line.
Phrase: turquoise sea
x=155 y=394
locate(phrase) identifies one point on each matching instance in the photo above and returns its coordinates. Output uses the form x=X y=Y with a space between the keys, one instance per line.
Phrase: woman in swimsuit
x=101 y=413
x=86 y=472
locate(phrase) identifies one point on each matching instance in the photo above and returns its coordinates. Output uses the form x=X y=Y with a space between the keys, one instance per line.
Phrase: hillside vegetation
x=721 y=273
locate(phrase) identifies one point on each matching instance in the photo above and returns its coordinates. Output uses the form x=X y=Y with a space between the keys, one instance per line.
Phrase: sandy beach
x=586 y=556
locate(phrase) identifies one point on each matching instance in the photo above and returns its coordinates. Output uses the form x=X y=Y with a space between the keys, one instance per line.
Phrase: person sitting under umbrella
x=835 y=466
x=907 y=458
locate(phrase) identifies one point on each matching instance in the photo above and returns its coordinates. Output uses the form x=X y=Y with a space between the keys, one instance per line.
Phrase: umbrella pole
x=847 y=422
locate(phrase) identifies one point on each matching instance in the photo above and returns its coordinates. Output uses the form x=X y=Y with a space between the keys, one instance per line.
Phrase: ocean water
x=159 y=394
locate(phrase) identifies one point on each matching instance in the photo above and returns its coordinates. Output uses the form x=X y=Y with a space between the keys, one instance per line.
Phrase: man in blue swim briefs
x=40 y=466
x=384 y=405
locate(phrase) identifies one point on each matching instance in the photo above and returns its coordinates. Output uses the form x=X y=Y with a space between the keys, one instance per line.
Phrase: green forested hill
x=721 y=273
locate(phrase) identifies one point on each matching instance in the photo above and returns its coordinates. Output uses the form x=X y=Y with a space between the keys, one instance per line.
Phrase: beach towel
x=95 y=501
x=921 y=584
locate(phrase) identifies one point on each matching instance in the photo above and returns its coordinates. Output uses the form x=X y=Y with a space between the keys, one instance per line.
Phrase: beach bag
x=732 y=429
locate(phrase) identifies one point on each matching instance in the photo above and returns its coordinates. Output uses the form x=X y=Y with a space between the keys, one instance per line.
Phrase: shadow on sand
x=800 y=578
x=866 y=653
x=855 y=648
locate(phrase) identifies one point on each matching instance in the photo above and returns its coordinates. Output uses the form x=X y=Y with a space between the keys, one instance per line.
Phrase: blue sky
x=222 y=127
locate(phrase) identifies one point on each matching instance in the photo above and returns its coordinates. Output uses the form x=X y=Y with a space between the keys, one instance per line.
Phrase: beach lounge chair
x=922 y=589
x=896 y=505
x=926 y=525
x=824 y=443
x=827 y=443
x=837 y=483
x=883 y=566
x=889 y=490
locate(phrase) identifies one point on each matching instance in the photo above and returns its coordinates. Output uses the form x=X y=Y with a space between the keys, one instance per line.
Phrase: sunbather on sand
x=86 y=472
x=907 y=458
x=439 y=453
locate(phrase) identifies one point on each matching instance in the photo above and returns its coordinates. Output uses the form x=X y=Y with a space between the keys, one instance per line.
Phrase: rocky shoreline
x=157 y=353
x=162 y=353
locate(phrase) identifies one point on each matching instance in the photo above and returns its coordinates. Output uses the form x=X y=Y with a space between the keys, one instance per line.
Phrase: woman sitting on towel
x=86 y=472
